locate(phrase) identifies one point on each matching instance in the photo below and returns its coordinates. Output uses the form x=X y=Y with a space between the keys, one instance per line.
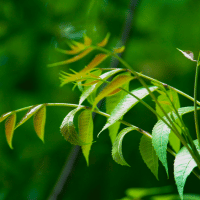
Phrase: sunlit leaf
x=75 y=58
x=183 y=166
x=29 y=114
x=87 y=40
x=89 y=90
x=167 y=106
x=85 y=128
x=95 y=62
x=160 y=135
x=9 y=128
x=117 y=146
x=68 y=130
x=188 y=54
x=68 y=52
x=4 y=116
x=126 y=104
x=104 y=41
x=111 y=103
x=149 y=155
x=39 y=121
x=119 y=50
x=113 y=85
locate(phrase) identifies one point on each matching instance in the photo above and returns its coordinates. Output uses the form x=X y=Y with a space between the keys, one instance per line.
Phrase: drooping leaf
x=104 y=41
x=90 y=89
x=167 y=106
x=188 y=54
x=111 y=103
x=149 y=155
x=9 y=128
x=4 y=116
x=160 y=135
x=126 y=104
x=39 y=121
x=183 y=166
x=113 y=85
x=117 y=146
x=85 y=128
x=74 y=59
x=68 y=130
x=29 y=114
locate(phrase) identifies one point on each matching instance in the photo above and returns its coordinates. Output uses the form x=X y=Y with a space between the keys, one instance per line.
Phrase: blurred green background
x=29 y=33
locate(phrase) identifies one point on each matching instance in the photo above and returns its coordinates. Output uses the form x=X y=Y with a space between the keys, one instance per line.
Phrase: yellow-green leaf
x=74 y=59
x=87 y=40
x=39 y=122
x=119 y=50
x=9 y=128
x=104 y=41
x=68 y=130
x=113 y=85
x=29 y=114
x=4 y=116
x=85 y=127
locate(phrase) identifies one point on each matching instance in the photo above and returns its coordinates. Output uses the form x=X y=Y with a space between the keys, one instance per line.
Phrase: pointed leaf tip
x=117 y=146
x=39 y=121
x=188 y=54
x=9 y=128
x=119 y=50
x=104 y=41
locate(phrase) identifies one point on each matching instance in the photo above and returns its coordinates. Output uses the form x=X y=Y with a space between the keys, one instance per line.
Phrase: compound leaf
x=9 y=128
x=149 y=155
x=39 y=121
x=85 y=127
x=29 y=114
x=183 y=166
x=117 y=146
x=160 y=135
x=68 y=130
x=126 y=104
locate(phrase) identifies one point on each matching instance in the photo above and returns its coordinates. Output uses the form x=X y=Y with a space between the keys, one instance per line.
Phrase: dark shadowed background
x=29 y=33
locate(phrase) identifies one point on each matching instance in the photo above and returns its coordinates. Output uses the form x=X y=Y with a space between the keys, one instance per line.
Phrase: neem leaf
x=89 y=90
x=126 y=104
x=104 y=41
x=188 y=54
x=119 y=50
x=85 y=127
x=117 y=146
x=9 y=128
x=111 y=103
x=4 y=116
x=67 y=128
x=167 y=106
x=29 y=114
x=39 y=121
x=149 y=155
x=160 y=135
x=183 y=166
x=113 y=85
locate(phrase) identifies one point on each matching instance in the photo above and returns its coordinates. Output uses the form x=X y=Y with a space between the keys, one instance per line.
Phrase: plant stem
x=195 y=100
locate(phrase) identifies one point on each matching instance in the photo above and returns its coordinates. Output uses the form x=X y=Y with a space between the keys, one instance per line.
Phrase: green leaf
x=160 y=135
x=85 y=127
x=4 y=116
x=183 y=166
x=89 y=90
x=117 y=146
x=126 y=104
x=29 y=114
x=112 y=86
x=9 y=128
x=111 y=103
x=39 y=121
x=68 y=130
x=167 y=106
x=176 y=197
x=149 y=155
